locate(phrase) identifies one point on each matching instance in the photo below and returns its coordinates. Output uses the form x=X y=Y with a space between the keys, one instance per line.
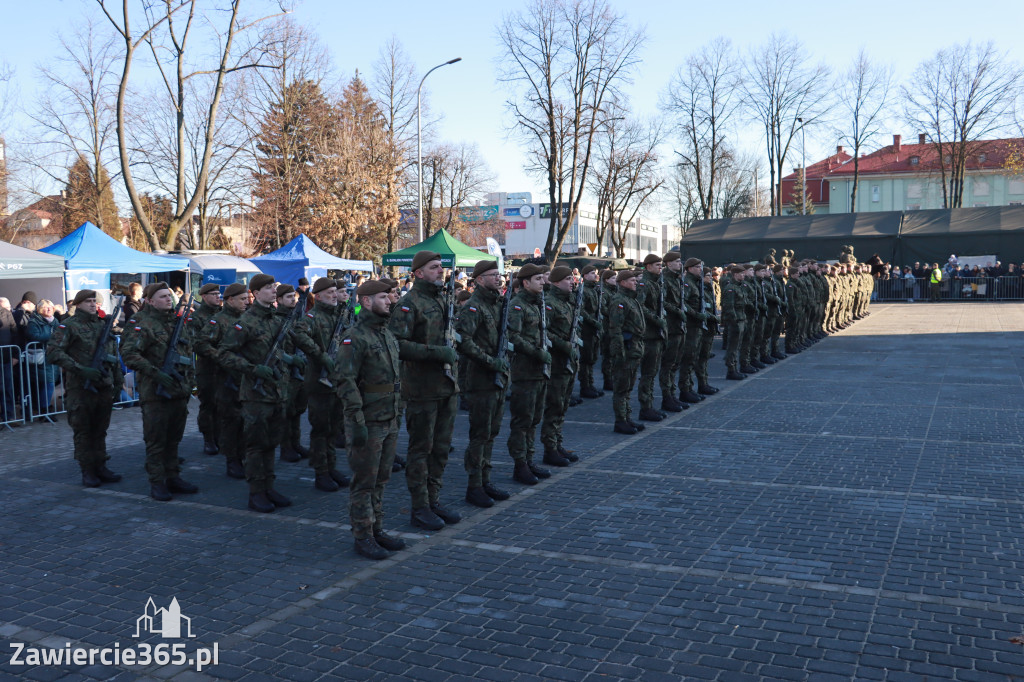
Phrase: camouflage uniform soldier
x=72 y=347
x=794 y=294
x=591 y=332
x=773 y=306
x=755 y=315
x=295 y=401
x=164 y=398
x=626 y=327
x=248 y=348
x=695 y=322
x=367 y=381
x=675 y=345
x=313 y=337
x=734 y=317
x=609 y=286
x=529 y=383
x=655 y=333
x=564 y=361
x=484 y=382
x=778 y=284
x=206 y=366
x=229 y=407
x=704 y=387
x=429 y=387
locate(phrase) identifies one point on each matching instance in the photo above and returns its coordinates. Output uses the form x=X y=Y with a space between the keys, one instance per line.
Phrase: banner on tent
x=221 y=277
x=74 y=280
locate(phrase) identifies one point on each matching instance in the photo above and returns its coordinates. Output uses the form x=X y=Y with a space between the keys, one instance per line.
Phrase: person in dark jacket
x=8 y=360
x=41 y=374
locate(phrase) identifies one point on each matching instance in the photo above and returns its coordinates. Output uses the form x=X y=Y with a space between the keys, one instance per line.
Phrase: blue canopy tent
x=219 y=268
x=302 y=258
x=90 y=256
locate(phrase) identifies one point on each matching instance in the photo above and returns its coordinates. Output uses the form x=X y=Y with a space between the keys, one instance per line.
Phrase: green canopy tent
x=453 y=252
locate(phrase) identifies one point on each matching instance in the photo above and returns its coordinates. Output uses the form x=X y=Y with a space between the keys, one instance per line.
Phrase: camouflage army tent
x=931 y=236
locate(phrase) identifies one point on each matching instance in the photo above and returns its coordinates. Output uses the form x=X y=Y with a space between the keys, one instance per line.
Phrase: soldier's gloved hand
x=358 y=435
x=544 y=357
x=663 y=325
x=328 y=362
x=263 y=372
x=166 y=380
x=299 y=361
x=574 y=355
x=499 y=365
x=447 y=355
x=90 y=373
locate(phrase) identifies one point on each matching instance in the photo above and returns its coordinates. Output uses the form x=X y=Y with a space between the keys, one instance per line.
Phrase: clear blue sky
x=902 y=33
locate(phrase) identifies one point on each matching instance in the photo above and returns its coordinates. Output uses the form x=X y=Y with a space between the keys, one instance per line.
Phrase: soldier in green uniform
x=675 y=344
x=206 y=366
x=313 y=337
x=295 y=391
x=531 y=368
x=430 y=387
x=626 y=327
x=72 y=348
x=778 y=283
x=248 y=348
x=227 y=381
x=609 y=286
x=696 y=320
x=754 y=310
x=795 y=296
x=773 y=307
x=367 y=382
x=591 y=331
x=164 y=397
x=734 y=317
x=565 y=357
x=655 y=332
x=484 y=382
x=708 y=329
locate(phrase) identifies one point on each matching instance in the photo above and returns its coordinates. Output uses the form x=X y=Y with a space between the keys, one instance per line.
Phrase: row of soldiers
x=262 y=359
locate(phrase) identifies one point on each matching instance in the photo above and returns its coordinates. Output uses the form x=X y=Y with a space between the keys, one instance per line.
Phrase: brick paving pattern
x=853 y=513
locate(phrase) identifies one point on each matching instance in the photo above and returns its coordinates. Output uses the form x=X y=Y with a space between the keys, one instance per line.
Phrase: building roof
x=922 y=157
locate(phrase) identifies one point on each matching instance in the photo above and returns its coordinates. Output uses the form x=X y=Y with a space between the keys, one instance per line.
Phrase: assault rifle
x=451 y=337
x=577 y=314
x=703 y=321
x=661 y=303
x=545 y=342
x=503 y=345
x=100 y=356
x=172 y=358
x=272 y=360
x=343 y=323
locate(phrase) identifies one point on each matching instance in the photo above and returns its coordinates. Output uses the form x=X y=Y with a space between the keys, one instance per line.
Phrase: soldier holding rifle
x=229 y=408
x=650 y=297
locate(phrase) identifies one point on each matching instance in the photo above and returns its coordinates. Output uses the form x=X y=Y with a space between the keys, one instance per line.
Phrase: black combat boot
x=748 y=369
x=779 y=355
x=478 y=497
x=259 y=502
x=650 y=414
x=590 y=392
x=176 y=484
x=301 y=450
x=388 y=542
x=90 y=479
x=733 y=375
x=495 y=493
x=159 y=492
x=575 y=400
x=637 y=425
x=341 y=479
x=449 y=516
x=706 y=389
x=539 y=472
x=670 y=404
x=106 y=475
x=626 y=428
x=235 y=469
x=324 y=482
x=554 y=458
x=522 y=474
x=369 y=548
x=398 y=464
x=288 y=454
x=277 y=499
x=690 y=397
x=757 y=364
x=426 y=519
x=768 y=360
x=568 y=454
x=210 y=446
x=607 y=385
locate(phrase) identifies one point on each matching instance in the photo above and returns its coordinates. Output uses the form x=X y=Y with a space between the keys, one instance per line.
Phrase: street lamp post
x=803 y=167
x=419 y=151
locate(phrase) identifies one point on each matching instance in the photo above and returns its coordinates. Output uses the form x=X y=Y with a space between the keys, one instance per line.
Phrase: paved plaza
x=852 y=513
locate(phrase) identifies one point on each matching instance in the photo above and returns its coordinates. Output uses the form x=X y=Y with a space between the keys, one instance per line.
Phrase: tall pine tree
x=89 y=196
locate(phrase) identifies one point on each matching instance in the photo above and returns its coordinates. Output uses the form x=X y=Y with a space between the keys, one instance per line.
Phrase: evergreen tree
x=90 y=197
x=800 y=196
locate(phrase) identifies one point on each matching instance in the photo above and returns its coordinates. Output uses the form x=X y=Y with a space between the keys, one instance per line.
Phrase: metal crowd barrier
x=45 y=384
x=950 y=289
x=12 y=387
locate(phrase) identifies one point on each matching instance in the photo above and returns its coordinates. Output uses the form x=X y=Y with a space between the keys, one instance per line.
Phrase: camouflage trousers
x=206 y=391
x=588 y=358
x=89 y=418
x=650 y=365
x=485 y=411
x=623 y=380
x=750 y=333
x=707 y=339
x=526 y=408
x=671 y=362
x=764 y=348
x=773 y=338
x=230 y=427
x=556 y=404
x=735 y=330
x=264 y=423
x=690 y=353
x=429 y=424
x=325 y=423
x=294 y=406
x=606 y=363
x=163 y=425
x=371 y=470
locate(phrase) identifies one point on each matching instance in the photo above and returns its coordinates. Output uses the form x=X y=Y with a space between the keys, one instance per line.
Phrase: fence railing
x=950 y=289
x=12 y=386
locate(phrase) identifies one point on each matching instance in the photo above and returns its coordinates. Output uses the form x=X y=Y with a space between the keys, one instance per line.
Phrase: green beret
x=691 y=262
x=625 y=274
x=284 y=289
x=484 y=266
x=82 y=295
x=259 y=281
x=371 y=287
x=737 y=268
x=671 y=256
x=559 y=273
x=424 y=257
x=587 y=270
x=209 y=289
x=234 y=290
x=529 y=270
x=150 y=290
x=463 y=295
x=323 y=283
x=607 y=274
x=651 y=259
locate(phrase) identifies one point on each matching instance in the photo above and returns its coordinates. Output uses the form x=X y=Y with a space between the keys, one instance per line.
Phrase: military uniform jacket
x=144 y=346
x=674 y=308
x=479 y=326
x=524 y=333
x=213 y=336
x=648 y=293
x=419 y=323
x=589 y=325
x=74 y=342
x=734 y=301
x=711 y=306
x=312 y=335
x=368 y=372
x=795 y=295
x=246 y=345
x=779 y=286
x=691 y=300
x=626 y=326
x=559 y=305
x=772 y=302
x=288 y=344
x=206 y=355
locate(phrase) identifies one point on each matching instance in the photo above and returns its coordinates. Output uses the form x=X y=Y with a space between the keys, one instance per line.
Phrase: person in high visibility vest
x=936 y=282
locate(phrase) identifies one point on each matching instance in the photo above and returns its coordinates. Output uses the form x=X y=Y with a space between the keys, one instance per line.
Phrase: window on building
x=981 y=188
x=876 y=194
x=982 y=158
x=914 y=160
x=1016 y=185
x=946 y=159
x=914 y=190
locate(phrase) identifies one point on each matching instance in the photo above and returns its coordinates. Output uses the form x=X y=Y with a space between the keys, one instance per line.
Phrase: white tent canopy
x=23 y=270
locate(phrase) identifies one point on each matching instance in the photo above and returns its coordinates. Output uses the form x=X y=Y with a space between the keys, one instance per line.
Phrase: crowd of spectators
x=951 y=280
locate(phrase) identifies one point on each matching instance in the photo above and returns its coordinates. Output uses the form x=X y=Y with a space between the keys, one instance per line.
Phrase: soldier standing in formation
x=675 y=344
x=708 y=329
x=430 y=388
x=295 y=390
x=626 y=328
x=89 y=391
x=655 y=332
x=206 y=366
x=734 y=317
x=592 y=331
x=164 y=397
x=696 y=321
x=227 y=381
x=485 y=381
x=565 y=355
x=609 y=287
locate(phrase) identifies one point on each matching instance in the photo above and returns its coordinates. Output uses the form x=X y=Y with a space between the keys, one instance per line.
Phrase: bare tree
x=702 y=100
x=862 y=96
x=167 y=27
x=562 y=61
x=453 y=176
x=961 y=97
x=781 y=85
